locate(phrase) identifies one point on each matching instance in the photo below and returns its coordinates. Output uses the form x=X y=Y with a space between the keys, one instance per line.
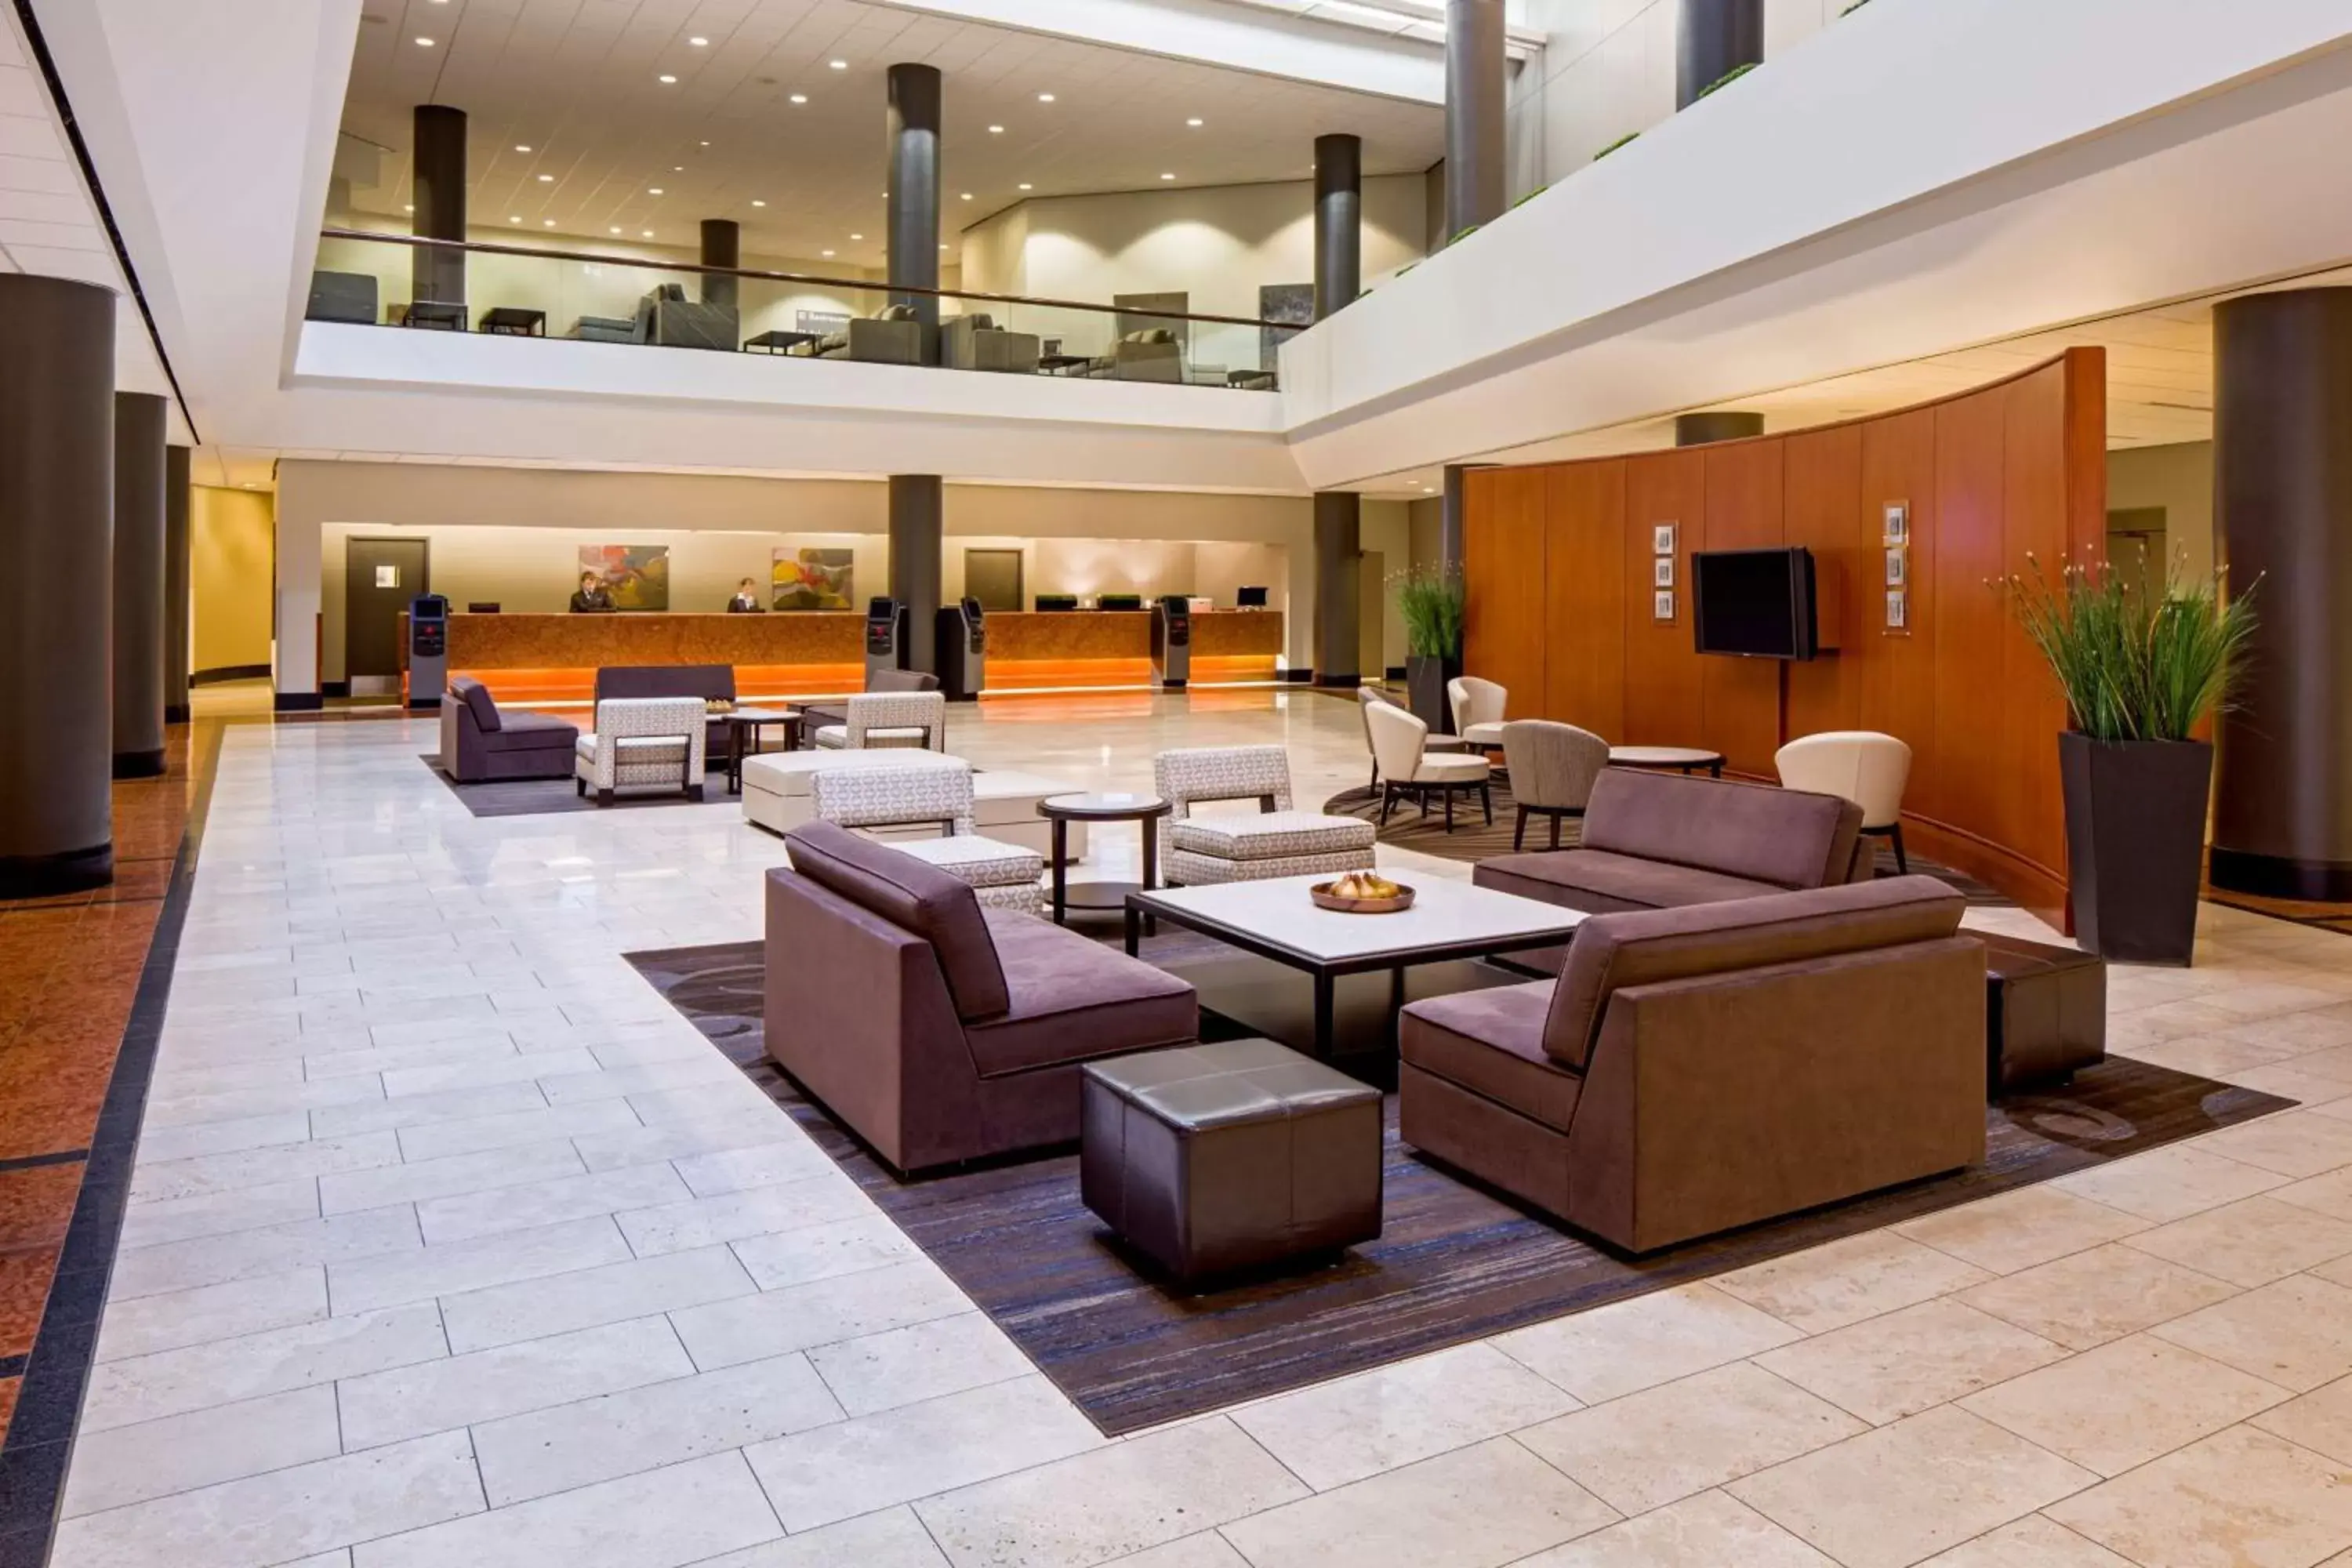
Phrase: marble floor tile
x=165 y=1145
x=454 y=1267
x=452 y=1174
x=2296 y=1332
x=838 y=1471
x=1711 y=1530
x=2250 y=1242
x=2035 y=1542
x=241 y=1168
x=436 y=1140
x=126 y=1465
x=894 y=1538
x=2017 y=1229
x=924 y=1360
x=1209 y=1549
x=224 y=1371
x=1475 y=1508
x=1648 y=1449
x=141 y=1325
x=1886 y=1368
x=483 y=1385
x=803 y=1317
x=419 y=1110
x=2240 y=1499
x=2096 y=1296
x=2124 y=1404
x=2291 y=1143
x=2320 y=1420
x=557 y=1302
x=814 y=1252
x=1898 y=1494
x=1631 y=1345
x=748 y=1129
x=505 y=1210
x=1861 y=1277
x=567 y=1446
x=754 y=1211
x=1359 y=1425
x=216 y=1214
x=660 y=1519
x=284 y=1514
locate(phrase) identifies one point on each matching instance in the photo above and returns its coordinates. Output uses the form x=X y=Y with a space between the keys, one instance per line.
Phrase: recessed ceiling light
x=547 y=223
x=1195 y=123
x=547 y=179
x=839 y=65
x=409 y=207
x=512 y=218
x=967 y=195
x=706 y=143
x=700 y=42
x=616 y=228
x=667 y=80
x=656 y=190
x=800 y=98
x=857 y=236
x=757 y=202
x=1044 y=97
x=522 y=146
x=1027 y=186
x=996 y=131
x=1167 y=176
x=826 y=254
x=942 y=247
x=647 y=233
x=424 y=43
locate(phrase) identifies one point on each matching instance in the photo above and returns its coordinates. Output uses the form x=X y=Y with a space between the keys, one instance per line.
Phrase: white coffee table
x=1275 y=920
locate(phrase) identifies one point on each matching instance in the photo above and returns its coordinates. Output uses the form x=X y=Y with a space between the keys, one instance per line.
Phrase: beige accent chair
x=1477 y=709
x=642 y=743
x=977 y=343
x=1859 y=765
x=1553 y=768
x=889 y=719
x=1367 y=697
x=1399 y=748
x=1004 y=875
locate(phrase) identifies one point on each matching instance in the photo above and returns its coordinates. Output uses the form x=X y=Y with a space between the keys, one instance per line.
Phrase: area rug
x=1473 y=839
x=1454 y=1262
x=544 y=797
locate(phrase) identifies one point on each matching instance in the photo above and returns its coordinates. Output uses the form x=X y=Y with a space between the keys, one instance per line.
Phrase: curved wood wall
x=1559 y=565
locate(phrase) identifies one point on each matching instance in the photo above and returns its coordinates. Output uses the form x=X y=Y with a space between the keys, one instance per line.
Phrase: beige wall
x=2180 y=478
x=231 y=545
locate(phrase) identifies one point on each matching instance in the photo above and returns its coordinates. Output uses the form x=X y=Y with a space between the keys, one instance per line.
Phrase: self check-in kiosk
x=885 y=637
x=963 y=650
x=1171 y=640
x=428 y=650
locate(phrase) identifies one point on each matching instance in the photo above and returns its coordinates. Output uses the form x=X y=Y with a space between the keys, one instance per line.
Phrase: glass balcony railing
x=476 y=285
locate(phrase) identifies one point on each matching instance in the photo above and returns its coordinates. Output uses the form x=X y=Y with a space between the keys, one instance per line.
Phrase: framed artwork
x=1898 y=610
x=813 y=579
x=1661 y=539
x=1662 y=572
x=1898 y=523
x=1897 y=568
x=1661 y=606
x=635 y=575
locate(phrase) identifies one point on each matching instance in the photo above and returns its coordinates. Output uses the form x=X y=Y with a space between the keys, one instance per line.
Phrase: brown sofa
x=1698 y=1069
x=937 y=1031
x=1654 y=841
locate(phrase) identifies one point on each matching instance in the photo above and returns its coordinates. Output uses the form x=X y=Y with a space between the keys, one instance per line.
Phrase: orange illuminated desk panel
x=554 y=659
x=1028 y=651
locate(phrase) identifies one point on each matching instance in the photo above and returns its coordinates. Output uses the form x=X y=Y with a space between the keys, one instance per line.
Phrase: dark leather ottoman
x=2045 y=1012
x=1209 y=1159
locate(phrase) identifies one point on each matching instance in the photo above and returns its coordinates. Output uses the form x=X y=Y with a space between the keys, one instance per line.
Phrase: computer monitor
x=1249 y=598
x=482 y=607
x=1119 y=602
x=1050 y=602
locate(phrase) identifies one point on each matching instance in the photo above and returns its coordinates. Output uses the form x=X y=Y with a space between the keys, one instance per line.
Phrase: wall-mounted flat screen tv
x=1755 y=603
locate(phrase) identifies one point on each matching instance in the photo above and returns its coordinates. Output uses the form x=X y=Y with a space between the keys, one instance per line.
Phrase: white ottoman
x=1004 y=804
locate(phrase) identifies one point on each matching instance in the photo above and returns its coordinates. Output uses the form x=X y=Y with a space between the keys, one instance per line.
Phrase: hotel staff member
x=746 y=601
x=591 y=599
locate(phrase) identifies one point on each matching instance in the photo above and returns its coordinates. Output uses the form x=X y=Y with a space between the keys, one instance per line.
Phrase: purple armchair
x=937 y=1031
x=479 y=744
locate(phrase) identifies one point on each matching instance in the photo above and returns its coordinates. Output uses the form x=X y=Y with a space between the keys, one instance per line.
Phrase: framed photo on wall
x=1661 y=606
x=1897 y=568
x=1662 y=572
x=1898 y=610
x=1661 y=539
x=1898 y=523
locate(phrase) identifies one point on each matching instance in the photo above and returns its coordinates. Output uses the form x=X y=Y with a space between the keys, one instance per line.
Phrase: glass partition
x=527 y=291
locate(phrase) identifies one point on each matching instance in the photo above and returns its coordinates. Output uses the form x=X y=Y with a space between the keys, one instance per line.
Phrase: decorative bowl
x=1327 y=899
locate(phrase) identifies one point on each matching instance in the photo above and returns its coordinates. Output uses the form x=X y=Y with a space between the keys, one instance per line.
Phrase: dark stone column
x=723 y=245
x=56 y=535
x=1474 y=86
x=1718 y=36
x=1339 y=222
x=437 y=160
x=913 y=212
x=917 y=520
x=1706 y=430
x=1452 y=515
x=2282 y=504
x=1338 y=557
x=177 y=605
x=138 y=430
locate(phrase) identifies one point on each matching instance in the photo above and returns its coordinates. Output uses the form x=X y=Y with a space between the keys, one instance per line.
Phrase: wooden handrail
x=491 y=247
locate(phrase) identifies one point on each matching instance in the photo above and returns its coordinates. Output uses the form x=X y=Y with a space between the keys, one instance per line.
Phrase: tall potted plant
x=2144 y=660
x=1431 y=598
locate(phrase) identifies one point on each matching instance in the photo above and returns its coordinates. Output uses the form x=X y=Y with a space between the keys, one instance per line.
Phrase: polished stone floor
x=451 y=1244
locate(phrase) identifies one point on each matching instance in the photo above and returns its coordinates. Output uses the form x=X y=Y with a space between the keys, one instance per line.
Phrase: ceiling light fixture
x=547 y=179
x=1194 y=123
x=839 y=65
x=547 y=223
x=678 y=168
x=706 y=143
x=1167 y=176
x=967 y=195
x=758 y=203
x=656 y=190
x=408 y=208
x=424 y=43
x=512 y=218
x=616 y=228
x=667 y=80
x=1044 y=97
x=996 y=131
x=800 y=98
x=700 y=42
x=827 y=254
x=857 y=236
x=522 y=146
x=647 y=233
x=1027 y=186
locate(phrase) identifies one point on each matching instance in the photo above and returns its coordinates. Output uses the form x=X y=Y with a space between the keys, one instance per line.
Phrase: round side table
x=1678 y=759
x=1101 y=897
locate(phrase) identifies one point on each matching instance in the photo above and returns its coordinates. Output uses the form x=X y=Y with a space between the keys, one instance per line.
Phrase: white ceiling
x=578 y=82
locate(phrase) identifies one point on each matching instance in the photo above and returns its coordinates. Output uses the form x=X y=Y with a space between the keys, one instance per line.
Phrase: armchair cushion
x=1600 y=882
x=1785 y=838
x=479 y=702
x=527 y=731
x=1071 y=998
x=918 y=898
x=1645 y=947
x=1269 y=835
x=1491 y=1042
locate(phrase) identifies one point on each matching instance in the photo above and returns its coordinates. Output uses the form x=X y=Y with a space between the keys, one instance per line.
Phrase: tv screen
x=1249 y=598
x=1754 y=604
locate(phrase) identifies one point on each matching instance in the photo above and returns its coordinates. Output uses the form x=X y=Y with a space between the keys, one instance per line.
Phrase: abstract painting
x=635 y=575
x=812 y=579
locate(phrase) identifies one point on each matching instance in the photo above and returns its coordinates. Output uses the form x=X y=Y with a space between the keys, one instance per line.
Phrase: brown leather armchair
x=1698 y=1069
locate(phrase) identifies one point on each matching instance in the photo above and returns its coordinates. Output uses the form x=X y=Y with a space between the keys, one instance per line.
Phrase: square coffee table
x=1275 y=921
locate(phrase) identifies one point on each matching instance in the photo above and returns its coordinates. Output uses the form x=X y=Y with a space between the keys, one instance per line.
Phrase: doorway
x=380 y=577
x=993 y=577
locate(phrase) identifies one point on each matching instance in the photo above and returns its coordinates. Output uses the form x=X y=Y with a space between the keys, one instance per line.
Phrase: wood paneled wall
x=1559 y=565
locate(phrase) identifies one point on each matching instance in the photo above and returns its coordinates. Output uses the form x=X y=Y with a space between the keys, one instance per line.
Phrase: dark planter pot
x=1425 y=676
x=2135 y=841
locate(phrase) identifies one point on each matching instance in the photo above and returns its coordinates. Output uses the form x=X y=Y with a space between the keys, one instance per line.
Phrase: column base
x=139 y=764
x=175 y=713
x=1338 y=682
x=298 y=702
x=44 y=876
x=2279 y=877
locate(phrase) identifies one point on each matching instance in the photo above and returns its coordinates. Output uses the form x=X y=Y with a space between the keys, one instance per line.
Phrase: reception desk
x=1028 y=651
x=554 y=659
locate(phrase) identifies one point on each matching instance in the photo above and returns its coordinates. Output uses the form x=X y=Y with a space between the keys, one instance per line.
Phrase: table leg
x=1396 y=1005
x=1061 y=871
x=1715 y=770
x=1323 y=1010
x=1134 y=929
x=1151 y=866
x=735 y=758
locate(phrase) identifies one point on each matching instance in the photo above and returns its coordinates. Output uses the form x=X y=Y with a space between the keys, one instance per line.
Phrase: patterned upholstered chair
x=1003 y=876
x=642 y=743
x=1553 y=767
x=1477 y=709
x=1236 y=847
x=890 y=719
